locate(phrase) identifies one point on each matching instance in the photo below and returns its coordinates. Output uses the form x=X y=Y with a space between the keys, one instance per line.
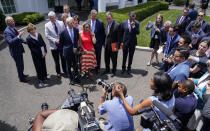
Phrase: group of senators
x=67 y=37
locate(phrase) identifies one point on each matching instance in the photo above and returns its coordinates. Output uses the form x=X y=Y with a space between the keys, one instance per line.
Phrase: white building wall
x=40 y=6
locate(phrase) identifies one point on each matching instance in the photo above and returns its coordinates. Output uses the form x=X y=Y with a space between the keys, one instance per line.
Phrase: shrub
x=179 y=2
x=142 y=11
x=27 y=17
x=2 y=21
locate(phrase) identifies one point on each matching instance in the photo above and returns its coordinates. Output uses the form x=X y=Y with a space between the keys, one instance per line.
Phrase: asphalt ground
x=19 y=101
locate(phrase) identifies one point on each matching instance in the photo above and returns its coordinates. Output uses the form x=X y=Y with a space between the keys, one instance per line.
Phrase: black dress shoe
x=25 y=75
x=129 y=72
x=123 y=71
x=113 y=75
x=71 y=83
x=24 y=80
x=105 y=72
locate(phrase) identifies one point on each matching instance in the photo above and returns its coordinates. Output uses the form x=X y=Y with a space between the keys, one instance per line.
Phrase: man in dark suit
x=66 y=9
x=171 y=44
x=69 y=39
x=14 y=40
x=182 y=21
x=196 y=34
x=204 y=25
x=193 y=13
x=129 y=30
x=112 y=43
x=97 y=26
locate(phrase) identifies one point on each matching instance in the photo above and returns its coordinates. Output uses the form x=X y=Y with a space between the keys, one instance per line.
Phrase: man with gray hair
x=69 y=39
x=97 y=26
x=164 y=31
x=14 y=40
x=52 y=32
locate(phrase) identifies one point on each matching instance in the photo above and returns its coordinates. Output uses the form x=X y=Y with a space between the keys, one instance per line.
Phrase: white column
x=121 y=4
x=135 y=2
x=101 y=5
x=144 y=1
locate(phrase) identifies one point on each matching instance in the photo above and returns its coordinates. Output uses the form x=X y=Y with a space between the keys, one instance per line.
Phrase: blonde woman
x=88 y=58
x=38 y=50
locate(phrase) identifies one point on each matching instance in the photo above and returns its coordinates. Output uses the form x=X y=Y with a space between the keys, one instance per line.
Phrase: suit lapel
x=96 y=26
x=67 y=35
x=12 y=30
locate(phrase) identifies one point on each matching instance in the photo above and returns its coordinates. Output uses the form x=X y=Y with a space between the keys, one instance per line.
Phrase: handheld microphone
x=146 y=109
x=169 y=114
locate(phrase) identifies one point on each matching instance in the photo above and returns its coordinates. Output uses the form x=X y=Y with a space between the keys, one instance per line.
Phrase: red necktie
x=16 y=32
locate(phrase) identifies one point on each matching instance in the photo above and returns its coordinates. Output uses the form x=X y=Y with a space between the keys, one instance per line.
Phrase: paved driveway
x=19 y=101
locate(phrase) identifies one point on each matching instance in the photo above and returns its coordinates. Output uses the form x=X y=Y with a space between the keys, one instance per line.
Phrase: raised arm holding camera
x=118 y=117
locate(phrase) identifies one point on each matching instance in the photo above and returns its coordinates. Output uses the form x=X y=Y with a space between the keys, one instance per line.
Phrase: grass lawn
x=144 y=37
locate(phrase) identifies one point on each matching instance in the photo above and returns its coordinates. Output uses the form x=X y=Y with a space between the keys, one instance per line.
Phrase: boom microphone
x=166 y=111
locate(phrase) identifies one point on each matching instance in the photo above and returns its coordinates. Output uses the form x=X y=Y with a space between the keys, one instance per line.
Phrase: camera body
x=105 y=85
x=79 y=103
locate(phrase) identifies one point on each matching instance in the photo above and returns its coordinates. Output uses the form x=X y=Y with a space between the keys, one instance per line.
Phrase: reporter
x=161 y=83
x=118 y=117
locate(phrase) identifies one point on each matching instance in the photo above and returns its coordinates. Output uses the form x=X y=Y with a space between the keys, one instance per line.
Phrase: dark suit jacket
x=129 y=37
x=171 y=45
x=184 y=23
x=163 y=35
x=99 y=32
x=201 y=35
x=113 y=36
x=67 y=43
x=204 y=27
x=35 y=45
x=193 y=14
x=15 y=43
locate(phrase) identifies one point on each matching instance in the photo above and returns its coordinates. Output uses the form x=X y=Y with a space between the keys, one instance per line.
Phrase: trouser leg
x=55 y=55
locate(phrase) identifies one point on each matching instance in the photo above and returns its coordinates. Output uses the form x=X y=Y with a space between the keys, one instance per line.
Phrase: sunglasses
x=201 y=15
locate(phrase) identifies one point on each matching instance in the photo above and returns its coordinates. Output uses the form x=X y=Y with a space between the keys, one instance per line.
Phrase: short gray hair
x=51 y=14
x=7 y=18
x=93 y=12
x=168 y=22
x=69 y=19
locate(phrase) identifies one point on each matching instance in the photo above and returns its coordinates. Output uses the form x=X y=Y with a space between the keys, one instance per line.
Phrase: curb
x=142 y=48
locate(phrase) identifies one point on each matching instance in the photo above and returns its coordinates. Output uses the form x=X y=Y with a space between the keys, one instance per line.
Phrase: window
x=8 y=6
x=51 y=3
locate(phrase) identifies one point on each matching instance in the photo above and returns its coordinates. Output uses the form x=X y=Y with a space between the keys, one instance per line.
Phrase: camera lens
x=44 y=106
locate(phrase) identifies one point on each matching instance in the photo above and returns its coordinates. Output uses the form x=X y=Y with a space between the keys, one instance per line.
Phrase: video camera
x=150 y=118
x=105 y=85
x=79 y=103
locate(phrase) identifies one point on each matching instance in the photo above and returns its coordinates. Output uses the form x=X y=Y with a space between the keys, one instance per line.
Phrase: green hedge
x=142 y=11
x=179 y=2
x=2 y=21
x=27 y=17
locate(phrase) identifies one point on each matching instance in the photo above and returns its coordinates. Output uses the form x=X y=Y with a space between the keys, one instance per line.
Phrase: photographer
x=118 y=117
x=161 y=83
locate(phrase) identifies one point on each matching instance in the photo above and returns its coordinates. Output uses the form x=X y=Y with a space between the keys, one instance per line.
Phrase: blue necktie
x=93 y=26
x=72 y=35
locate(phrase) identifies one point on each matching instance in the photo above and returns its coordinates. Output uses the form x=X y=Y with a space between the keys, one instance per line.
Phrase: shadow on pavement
x=133 y=71
x=6 y=127
x=51 y=81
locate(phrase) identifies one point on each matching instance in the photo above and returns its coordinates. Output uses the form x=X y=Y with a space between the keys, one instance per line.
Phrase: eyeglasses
x=176 y=56
x=201 y=15
x=86 y=27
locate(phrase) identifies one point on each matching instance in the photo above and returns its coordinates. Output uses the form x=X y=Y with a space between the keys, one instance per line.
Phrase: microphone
x=146 y=109
x=166 y=111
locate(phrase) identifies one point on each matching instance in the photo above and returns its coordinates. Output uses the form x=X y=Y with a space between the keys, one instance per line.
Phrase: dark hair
x=184 y=52
x=124 y=88
x=196 y=24
x=187 y=39
x=163 y=85
x=76 y=17
x=189 y=85
x=174 y=27
x=206 y=41
x=186 y=9
x=131 y=14
x=192 y=5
